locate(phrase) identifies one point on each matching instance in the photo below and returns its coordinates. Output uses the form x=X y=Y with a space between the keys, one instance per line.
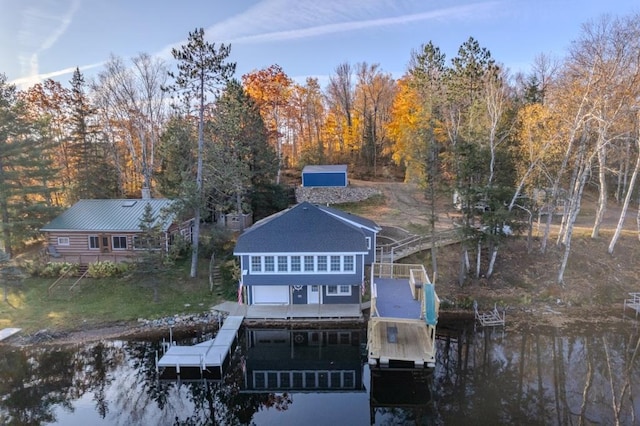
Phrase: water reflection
x=529 y=376
x=303 y=360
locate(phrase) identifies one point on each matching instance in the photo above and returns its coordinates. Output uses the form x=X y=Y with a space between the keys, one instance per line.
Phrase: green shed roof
x=120 y=215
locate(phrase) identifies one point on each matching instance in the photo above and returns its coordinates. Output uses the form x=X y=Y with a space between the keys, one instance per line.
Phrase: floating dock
x=207 y=358
x=404 y=312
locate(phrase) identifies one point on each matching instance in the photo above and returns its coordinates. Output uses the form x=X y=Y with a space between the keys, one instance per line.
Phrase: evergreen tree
x=25 y=172
x=240 y=156
x=177 y=159
x=95 y=175
x=201 y=68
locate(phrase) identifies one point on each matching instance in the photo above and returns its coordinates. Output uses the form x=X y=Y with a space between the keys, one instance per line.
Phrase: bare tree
x=134 y=104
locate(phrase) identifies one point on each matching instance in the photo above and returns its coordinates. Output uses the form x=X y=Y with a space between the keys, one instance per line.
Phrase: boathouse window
x=283 y=265
x=308 y=264
x=322 y=263
x=338 y=290
x=256 y=264
x=368 y=243
x=335 y=263
x=269 y=265
x=348 y=264
x=295 y=263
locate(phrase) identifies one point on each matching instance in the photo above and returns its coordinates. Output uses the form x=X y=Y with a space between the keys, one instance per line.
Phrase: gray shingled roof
x=120 y=215
x=304 y=228
x=367 y=223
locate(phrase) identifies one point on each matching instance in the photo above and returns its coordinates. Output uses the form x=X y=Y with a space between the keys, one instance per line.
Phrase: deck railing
x=415 y=273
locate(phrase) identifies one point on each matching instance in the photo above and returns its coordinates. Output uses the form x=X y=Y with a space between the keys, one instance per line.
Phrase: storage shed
x=324 y=175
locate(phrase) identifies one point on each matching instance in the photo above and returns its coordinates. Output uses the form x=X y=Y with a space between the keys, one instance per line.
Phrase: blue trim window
x=256 y=263
x=335 y=263
x=308 y=264
x=322 y=263
x=269 y=264
x=295 y=264
x=348 y=264
x=283 y=265
x=338 y=290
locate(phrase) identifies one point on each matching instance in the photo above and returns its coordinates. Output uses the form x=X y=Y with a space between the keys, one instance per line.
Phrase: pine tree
x=201 y=68
x=26 y=171
x=95 y=175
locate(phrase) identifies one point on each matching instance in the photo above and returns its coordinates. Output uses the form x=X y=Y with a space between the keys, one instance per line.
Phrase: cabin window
x=335 y=263
x=308 y=264
x=322 y=263
x=295 y=263
x=283 y=265
x=63 y=241
x=348 y=264
x=145 y=242
x=119 y=242
x=368 y=243
x=269 y=265
x=94 y=242
x=256 y=264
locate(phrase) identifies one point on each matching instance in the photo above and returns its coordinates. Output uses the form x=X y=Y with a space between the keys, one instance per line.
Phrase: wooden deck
x=400 y=342
x=402 y=326
x=316 y=312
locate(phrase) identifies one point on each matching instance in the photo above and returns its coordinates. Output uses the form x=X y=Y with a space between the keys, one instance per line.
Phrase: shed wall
x=310 y=179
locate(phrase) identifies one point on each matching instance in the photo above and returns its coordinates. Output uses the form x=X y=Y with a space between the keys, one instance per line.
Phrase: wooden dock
x=404 y=312
x=202 y=357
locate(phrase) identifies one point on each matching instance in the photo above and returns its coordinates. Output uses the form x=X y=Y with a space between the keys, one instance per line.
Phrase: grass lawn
x=98 y=302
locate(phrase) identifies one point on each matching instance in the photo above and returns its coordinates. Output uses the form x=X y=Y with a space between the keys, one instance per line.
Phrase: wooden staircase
x=64 y=286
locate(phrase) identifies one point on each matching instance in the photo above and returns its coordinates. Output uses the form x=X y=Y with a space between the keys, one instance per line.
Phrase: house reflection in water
x=278 y=360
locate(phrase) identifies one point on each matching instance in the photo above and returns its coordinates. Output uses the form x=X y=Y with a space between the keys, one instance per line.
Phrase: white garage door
x=270 y=295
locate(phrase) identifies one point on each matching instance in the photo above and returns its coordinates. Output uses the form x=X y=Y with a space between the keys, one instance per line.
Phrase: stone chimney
x=146 y=193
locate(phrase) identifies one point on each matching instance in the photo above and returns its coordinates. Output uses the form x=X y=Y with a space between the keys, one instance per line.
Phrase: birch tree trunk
x=602 y=193
x=627 y=200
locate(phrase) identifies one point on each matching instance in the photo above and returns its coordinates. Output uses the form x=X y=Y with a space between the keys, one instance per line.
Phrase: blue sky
x=49 y=38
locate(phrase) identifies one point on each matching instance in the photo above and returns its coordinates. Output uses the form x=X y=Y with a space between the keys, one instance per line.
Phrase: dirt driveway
x=405 y=205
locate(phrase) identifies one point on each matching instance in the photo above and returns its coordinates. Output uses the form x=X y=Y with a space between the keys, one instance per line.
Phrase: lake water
x=533 y=376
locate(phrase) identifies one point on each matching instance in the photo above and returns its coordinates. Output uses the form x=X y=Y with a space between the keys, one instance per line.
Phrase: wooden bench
x=632 y=302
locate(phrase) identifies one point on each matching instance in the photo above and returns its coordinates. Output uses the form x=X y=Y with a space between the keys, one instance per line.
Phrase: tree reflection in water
x=539 y=376
x=526 y=376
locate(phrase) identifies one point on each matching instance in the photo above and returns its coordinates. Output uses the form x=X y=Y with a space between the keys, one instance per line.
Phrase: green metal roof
x=121 y=215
